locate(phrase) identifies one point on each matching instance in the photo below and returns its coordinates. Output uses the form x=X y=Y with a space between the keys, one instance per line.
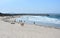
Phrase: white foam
x=42 y=19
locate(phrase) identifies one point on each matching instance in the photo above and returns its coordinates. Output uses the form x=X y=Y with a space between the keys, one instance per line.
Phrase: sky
x=30 y=6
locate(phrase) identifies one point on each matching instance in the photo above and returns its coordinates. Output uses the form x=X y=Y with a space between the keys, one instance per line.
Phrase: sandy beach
x=8 y=30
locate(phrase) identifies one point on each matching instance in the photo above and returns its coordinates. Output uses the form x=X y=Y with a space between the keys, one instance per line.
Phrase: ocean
x=57 y=16
x=52 y=20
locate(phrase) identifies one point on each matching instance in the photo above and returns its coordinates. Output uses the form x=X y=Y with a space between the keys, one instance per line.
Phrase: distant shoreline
x=7 y=14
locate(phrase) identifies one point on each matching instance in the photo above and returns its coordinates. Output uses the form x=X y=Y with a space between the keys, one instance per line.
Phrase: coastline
x=8 y=30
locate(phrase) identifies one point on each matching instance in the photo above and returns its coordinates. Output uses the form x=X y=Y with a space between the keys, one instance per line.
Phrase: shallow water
x=44 y=20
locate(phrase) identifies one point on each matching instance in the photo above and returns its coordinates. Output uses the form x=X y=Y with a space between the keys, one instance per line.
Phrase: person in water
x=34 y=22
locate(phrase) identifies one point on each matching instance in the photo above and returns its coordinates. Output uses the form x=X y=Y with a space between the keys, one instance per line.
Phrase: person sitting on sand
x=22 y=24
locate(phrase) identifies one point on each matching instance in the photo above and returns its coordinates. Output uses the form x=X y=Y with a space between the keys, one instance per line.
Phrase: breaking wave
x=40 y=20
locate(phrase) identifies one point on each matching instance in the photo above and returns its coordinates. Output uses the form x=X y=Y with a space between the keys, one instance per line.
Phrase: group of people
x=22 y=24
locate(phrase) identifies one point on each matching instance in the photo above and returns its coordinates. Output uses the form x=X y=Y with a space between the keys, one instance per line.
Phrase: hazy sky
x=30 y=6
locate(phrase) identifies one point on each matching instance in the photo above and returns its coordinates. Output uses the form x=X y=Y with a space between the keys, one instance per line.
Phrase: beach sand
x=8 y=30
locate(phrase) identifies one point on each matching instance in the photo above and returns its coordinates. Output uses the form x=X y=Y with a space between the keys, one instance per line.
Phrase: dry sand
x=8 y=30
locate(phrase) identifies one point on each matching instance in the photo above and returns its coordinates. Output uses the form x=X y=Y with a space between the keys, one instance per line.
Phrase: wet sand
x=8 y=30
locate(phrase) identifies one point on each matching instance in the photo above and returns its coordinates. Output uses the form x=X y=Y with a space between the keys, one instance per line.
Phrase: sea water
x=52 y=20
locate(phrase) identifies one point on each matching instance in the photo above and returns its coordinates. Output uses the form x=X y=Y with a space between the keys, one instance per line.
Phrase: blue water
x=52 y=20
x=57 y=16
